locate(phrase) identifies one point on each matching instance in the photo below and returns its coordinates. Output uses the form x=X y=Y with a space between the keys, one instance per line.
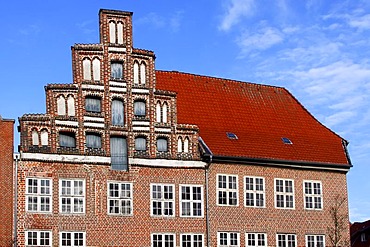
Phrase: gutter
x=16 y=157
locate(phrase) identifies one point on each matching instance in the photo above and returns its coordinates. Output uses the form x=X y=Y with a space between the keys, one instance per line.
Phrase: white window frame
x=284 y=193
x=193 y=239
x=192 y=201
x=163 y=235
x=256 y=236
x=121 y=198
x=162 y=200
x=254 y=191
x=72 y=196
x=315 y=239
x=286 y=240
x=38 y=237
x=227 y=190
x=228 y=239
x=38 y=195
x=72 y=238
x=313 y=195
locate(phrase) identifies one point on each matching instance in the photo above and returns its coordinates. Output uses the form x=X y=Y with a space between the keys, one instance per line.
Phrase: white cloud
x=235 y=10
x=152 y=19
x=362 y=22
x=263 y=39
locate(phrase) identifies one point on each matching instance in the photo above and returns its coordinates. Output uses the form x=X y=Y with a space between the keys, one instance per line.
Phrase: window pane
x=93 y=141
x=162 y=145
x=92 y=104
x=117 y=113
x=67 y=140
x=118 y=149
x=117 y=70
x=140 y=144
x=139 y=108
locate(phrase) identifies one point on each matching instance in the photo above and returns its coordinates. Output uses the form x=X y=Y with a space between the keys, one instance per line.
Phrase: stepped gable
x=259 y=115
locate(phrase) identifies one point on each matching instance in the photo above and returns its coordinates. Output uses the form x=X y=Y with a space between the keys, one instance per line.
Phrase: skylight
x=231 y=136
x=286 y=140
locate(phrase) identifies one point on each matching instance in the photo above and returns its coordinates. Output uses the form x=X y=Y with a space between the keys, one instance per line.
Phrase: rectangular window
x=191 y=240
x=116 y=70
x=191 y=201
x=254 y=192
x=162 y=199
x=312 y=194
x=38 y=238
x=118 y=152
x=92 y=104
x=227 y=190
x=119 y=198
x=228 y=239
x=163 y=240
x=255 y=239
x=38 y=195
x=71 y=196
x=284 y=193
x=315 y=240
x=72 y=239
x=93 y=140
x=286 y=240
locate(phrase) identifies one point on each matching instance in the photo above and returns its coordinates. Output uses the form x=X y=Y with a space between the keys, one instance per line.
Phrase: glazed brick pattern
x=6 y=181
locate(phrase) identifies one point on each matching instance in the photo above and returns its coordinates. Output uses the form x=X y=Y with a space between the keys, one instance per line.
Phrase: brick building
x=360 y=234
x=6 y=181
x=130 y=156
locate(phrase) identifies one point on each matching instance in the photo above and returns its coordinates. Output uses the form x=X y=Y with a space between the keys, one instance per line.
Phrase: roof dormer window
x=231 y=136
x=286 y=140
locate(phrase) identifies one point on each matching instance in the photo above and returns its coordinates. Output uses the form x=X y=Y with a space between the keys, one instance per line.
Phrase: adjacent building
x=360 y=234
x=6 y=181
x=127 y=155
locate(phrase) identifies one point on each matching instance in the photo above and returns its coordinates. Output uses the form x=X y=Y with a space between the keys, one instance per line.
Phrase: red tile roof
x=259 y=115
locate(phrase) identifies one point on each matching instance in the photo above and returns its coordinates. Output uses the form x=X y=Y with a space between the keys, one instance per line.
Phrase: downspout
x=15 y=219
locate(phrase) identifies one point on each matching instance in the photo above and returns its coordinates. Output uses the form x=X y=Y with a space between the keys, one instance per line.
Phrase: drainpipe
x=15 y=219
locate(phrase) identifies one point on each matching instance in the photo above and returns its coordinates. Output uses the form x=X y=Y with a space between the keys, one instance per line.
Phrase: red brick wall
x=6 y=181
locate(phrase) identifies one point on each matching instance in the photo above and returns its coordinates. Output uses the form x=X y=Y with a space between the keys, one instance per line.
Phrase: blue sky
x=317 y=49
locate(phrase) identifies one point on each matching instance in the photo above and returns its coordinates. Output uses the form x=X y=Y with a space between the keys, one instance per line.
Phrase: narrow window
x=86 y=65
x=118 y=150
x=71 y=196
x=142 y=73
x=139 y=108
x=136 y=73
x=186 y=145
x=61 y=105
x=93 y=104
x=118 y=114
x=71 y=105
x=120 y=198
x=67 y=139
x=158 y=112
x=164 y=113
x=93 y=140
x=162 y=145
x=179 y=145
x=112 y=32
x=162 y=199
x=44 y=137
x=116 y=70
x=140 y=144
x=120 y=32
x=35 y=138
x=96 y=69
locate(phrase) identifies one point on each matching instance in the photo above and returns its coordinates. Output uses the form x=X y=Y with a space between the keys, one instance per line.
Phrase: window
x=96 y=69
x=163 y=240
x=162 y=200
x=118 y=113
x=71 y=196
x=119 y=198
x=161 y=112
x=72 y=239
x=162 y=145
x=284 y=193
x=186 y=145
x=120 y=33
x=139 y=108
x=38 y=238
x=118 y=152
x=61 y=105
x=44 y=137
x=191 y=201
x=93 y=140
x=35 y=138
x=116 y=70
x=67 y=139
x=93 y=104
x=312 y=194
x=363 y=237
x=112 y=32
x=286 y=240
x=231 y=136
x=38 y=195
x=158 y=112
x=86 y=66
x=142 y=73
x=227 y=239
x=136 y=73
x=191 y=240
x=254 y=192
x=227 y=190
x=255 y=239
x=140 y=143
x=315 y=240
x=286 y=140
x=71 y=105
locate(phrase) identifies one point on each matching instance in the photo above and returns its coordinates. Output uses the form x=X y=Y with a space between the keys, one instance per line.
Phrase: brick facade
x=6 y=181
x=165 y=181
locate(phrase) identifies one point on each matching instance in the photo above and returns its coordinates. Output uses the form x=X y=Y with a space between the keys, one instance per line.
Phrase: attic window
x=286 y=140
x=231 y=136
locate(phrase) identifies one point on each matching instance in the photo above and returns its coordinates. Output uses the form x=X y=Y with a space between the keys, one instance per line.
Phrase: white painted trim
x=94 y=125
x=118 y=89
x=139 y=90
x=117 y=84
x=141 y=128
x=158 y=129
x=93 y=119
x=66 y=158
x=95 y=87
x=140 y=123
x=119 y=49
x=69 y=123
x=167 y=163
